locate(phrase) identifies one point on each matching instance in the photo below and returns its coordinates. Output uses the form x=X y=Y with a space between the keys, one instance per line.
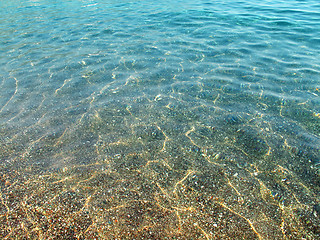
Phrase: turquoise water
x=160 y=119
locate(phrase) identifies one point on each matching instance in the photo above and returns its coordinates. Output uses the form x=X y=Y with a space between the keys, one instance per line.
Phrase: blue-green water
x=160 y=119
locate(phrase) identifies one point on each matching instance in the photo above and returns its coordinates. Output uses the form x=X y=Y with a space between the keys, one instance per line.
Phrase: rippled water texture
x=159 y=119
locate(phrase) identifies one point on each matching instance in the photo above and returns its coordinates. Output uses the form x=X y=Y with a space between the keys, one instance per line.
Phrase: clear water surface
x=159 y=119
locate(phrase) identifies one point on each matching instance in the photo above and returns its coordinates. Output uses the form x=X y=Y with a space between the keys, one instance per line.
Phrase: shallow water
x=159 y=120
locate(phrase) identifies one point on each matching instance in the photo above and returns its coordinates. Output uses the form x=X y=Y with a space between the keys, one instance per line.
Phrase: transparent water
x=159 y=119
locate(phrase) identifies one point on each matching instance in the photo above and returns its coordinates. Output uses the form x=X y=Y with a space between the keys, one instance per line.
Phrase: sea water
x=159 y=119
